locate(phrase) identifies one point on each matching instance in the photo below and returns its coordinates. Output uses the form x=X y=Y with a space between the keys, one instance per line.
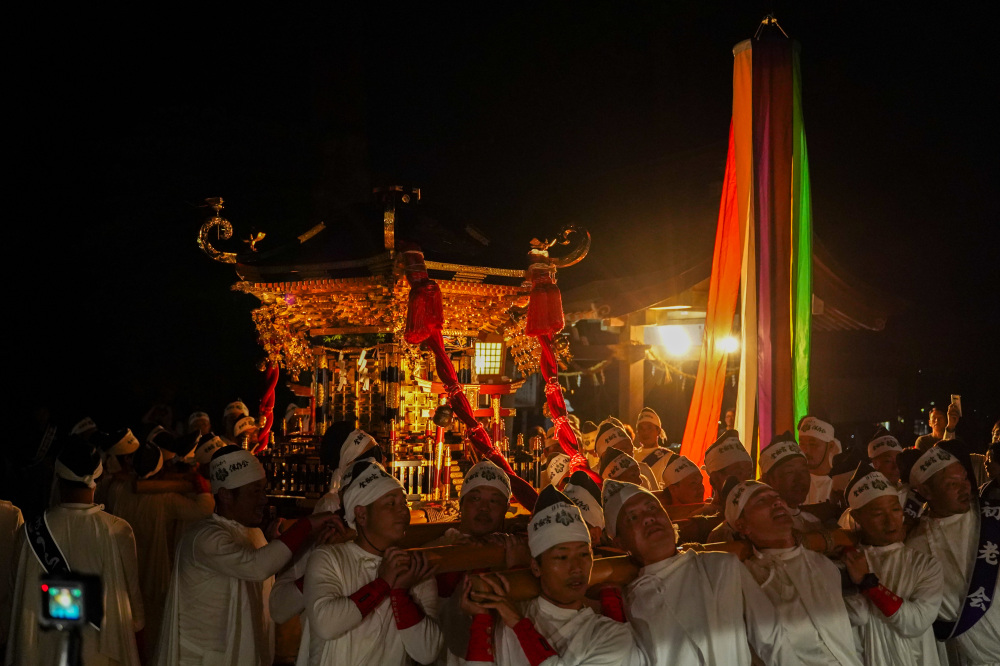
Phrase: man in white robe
x=949 y=531
x=10 y=523
x=784 y=468
x=819 y=446
x=900 y=588
x=367 y=601
x=558 y=627
x=217 y=605
x=726 y=457
x=688 y=607
x=92 y=542
x=483 y=504
x=152 y=517
x=649 y=433
x=804 y=586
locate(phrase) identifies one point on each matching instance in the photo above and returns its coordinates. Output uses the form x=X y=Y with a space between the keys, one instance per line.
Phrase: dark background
x=519 y=117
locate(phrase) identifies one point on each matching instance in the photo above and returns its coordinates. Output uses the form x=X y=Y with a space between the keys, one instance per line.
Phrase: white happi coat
x=10 y=523
x=581 y=637
x=338 y=634
x=93 y=542
x=704 y=608
x=906 y=638
x=805 y=589
x=820 y=487
x=217 y=607
x=954 y=542
x=153 y=517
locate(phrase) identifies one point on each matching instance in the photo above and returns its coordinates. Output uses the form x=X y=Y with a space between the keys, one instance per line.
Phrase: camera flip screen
x=63 y=602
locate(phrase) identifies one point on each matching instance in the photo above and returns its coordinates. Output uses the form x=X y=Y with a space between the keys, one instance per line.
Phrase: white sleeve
x=125 y=542
x=424 y=640
x=764 y=632
x=329 y=609
x=920 y=607
x=219 y=551
x=287 y=600
x=858 y=610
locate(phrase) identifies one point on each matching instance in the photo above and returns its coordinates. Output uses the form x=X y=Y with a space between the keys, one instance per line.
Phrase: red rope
x=267 y=405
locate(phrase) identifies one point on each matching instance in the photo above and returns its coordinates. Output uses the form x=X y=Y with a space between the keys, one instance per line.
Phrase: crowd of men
x=806 y=555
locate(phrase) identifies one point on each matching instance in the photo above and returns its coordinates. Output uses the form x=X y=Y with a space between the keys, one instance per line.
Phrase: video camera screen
x=64 y=602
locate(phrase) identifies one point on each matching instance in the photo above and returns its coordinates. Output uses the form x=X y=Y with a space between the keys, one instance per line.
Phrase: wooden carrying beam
x=621 y=571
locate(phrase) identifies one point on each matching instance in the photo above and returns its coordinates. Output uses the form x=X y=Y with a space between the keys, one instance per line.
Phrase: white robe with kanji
x=954 y=542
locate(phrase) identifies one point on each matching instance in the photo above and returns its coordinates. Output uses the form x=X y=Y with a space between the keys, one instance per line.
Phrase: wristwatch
x=868 y=581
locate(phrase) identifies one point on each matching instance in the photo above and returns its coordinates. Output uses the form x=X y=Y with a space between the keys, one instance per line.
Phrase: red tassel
x=425 y=308
x=424 y=312
x=545 y=311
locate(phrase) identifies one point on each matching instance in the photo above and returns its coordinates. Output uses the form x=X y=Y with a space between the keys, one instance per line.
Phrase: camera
x=70 y=600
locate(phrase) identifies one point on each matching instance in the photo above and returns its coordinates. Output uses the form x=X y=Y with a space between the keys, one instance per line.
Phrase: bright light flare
x=729 y=344
x=675 y=340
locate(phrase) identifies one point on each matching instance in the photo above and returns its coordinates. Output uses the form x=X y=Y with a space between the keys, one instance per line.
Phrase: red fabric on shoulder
x=535 y=647
x=612 y=604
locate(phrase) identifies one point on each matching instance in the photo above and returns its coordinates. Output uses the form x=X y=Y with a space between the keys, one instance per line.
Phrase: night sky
x=517 y=117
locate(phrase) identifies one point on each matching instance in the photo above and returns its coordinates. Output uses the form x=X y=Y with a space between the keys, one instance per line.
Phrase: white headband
x=66 y=473
x=611 y=437
x=244 y=425
x=679 y=469
x=729 y=452
x=198 y=416
x=618 y=464
x=486 y=473
x=235 y=470
x=371 y=483
x=738 y=498
x=203 y=454
x=236 y=408
x=589 y=507
x=86 y=424
x=777 y=452
x=555 y=524
x=880 y=445
x=813 y=427
x=558 y=467
x=354 y=445
x=614 y=496
x=871 y=486
x=124 y=446
x=929 y=464
x=650 y=416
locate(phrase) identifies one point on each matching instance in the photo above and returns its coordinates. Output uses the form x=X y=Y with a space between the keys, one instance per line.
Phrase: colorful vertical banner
x=802 y=255
x=773 y=214
x=723 y=292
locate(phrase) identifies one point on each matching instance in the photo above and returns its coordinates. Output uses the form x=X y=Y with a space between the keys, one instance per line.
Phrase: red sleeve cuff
x=405 y=609
x=296 y=535
x=370 y=596
x=535 y=647
x=884 y=599
x=612 y=605
x=299 y=583
x=480 y=639
x=202 y=485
